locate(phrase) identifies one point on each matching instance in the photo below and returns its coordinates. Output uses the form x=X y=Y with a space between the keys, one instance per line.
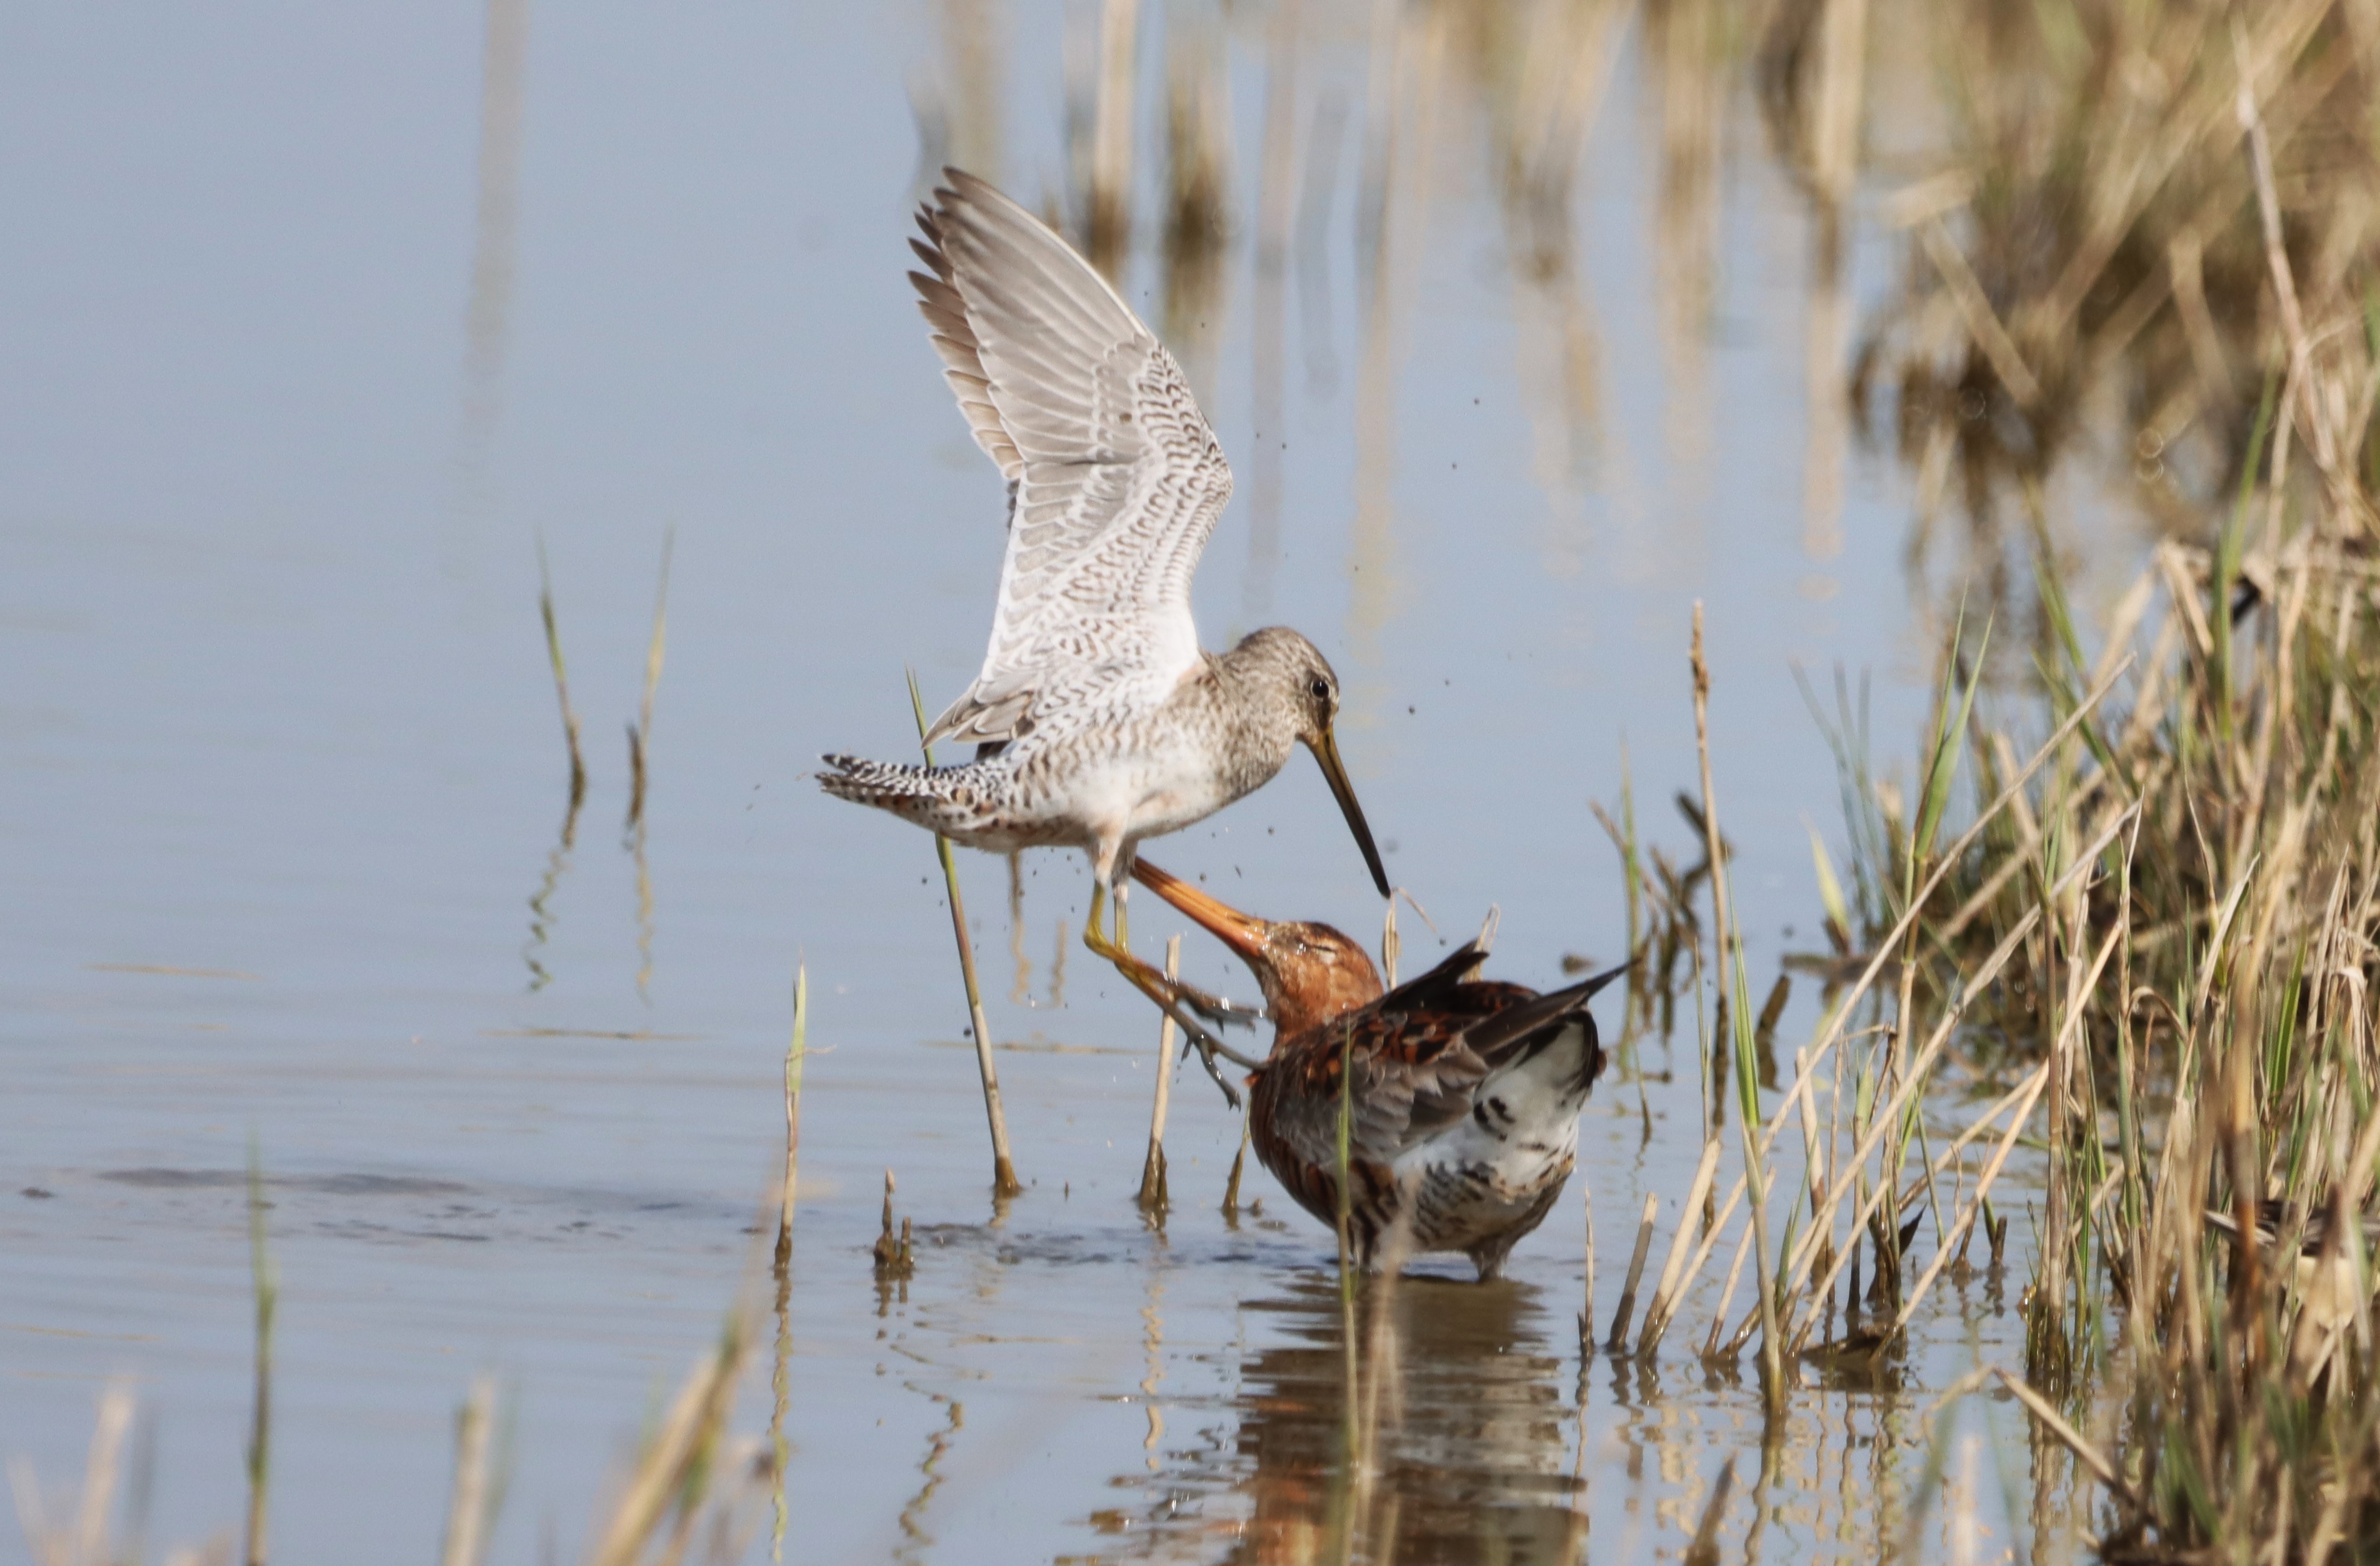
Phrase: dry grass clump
x=2183 y=902
x=2173 y=923
x=2163 y=224
x=2176 y=923
x=2095 y=257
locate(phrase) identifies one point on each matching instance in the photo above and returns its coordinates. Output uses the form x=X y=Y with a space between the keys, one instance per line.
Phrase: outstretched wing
x=1115 y=480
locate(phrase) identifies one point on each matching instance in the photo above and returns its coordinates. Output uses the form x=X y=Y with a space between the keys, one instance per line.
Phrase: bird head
x=1310 y=973
x=1301 y=677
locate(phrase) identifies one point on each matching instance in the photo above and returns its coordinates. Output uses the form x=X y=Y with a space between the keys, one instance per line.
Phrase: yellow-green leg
x=1145 y=979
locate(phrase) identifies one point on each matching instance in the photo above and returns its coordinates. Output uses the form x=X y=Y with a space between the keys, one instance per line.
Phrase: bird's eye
x=1319 y=691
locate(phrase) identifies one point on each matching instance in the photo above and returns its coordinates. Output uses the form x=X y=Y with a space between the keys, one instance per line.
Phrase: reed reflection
x=1317 y=195
x=1406 y=71
x=1543 y=78
x=1268 y=340
x=1810 y=71
x=1686 y=55
x=1101 y=71
x=504 y=59
x=1198 y=189
x=540 y=903
x=975 y=78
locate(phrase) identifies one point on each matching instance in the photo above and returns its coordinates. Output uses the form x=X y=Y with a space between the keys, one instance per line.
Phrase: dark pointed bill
x=1326 y=751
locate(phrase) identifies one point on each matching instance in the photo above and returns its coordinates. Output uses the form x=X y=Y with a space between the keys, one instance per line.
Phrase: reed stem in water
x=1003 y=1168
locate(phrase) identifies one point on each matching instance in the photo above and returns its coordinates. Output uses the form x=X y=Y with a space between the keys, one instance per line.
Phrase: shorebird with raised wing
x=1096 y=719
x=1460 y=1096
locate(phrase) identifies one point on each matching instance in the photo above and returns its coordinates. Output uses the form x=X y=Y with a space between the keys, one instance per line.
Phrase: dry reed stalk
x=1822 y=1209
x=1152 y=1196
x=102 y=1463
x=1586 y=1310
x=1727 y=1290
x=1268 y=337
x=1912 y=1081
x=1800 y=1092
x=1727 y=946
x=1838 y=1025
x=1813 y=1154
x=561 y=686
x=1656 y=1313
x=1232 y=1181
x=797 y=1055
x=1627 y=1310
x=640 y=733
x=1003 y=1168
x=81 y=1537
x=1950 y=1243
x=1835 y=115
x=2068 y=1436
x=471 y=1509
x=2184 y=909
x=1106 y=213
x=1914 y=1076
x=266 y=1283
x=1020 y=994
x=780 y=1369
x=682 y=1457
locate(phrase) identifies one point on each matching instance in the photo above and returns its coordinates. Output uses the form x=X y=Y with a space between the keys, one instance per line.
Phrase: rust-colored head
x=1310 y=973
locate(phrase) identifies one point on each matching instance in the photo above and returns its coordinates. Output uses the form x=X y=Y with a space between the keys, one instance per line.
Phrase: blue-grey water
x=319 y=320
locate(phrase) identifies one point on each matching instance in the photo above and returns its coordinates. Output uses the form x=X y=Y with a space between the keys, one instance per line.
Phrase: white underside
x=1147 y=792
x=1476 y=1178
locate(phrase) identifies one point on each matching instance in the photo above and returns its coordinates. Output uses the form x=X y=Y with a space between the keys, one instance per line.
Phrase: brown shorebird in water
x=1461 y=1096
x=1096 y=720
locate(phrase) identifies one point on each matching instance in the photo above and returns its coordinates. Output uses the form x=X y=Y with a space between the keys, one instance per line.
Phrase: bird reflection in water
x=1470 y=1436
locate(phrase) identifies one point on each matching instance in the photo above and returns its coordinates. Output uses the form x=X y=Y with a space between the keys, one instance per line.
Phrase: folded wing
x=1418 y=1068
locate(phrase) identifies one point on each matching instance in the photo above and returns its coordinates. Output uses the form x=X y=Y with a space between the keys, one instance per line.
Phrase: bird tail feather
x=950 y=800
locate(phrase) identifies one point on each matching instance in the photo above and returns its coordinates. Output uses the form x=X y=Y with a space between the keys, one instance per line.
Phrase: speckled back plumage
x=1464 y=1110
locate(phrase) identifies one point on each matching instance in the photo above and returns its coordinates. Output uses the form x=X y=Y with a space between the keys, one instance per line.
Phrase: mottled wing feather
x=1427 y=990
x=1116 y=480
x=1415 y=1071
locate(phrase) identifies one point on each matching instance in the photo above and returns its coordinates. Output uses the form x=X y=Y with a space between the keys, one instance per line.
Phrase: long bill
x=1326 y=751
x=1244 y=933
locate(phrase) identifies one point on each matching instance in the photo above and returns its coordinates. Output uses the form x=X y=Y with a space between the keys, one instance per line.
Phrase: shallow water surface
x=322 y=323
